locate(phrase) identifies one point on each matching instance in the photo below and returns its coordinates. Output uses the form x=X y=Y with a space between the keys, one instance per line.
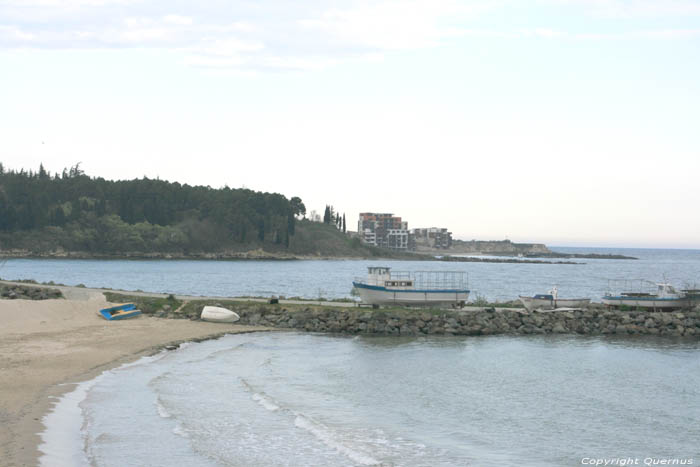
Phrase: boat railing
x=631 y=287
x=424 y=280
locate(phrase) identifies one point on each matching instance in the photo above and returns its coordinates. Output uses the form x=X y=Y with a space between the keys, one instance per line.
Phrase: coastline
x=260 y=255
x=47 y=347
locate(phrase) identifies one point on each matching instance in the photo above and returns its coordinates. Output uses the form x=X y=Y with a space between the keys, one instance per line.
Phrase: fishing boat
x=421 y=288
x=656 y=296
x=217 y=314
x=551 y=301
x=123 y=311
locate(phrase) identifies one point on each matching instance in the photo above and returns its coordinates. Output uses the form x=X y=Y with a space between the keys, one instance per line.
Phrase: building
x=433 y=237
x=383 y=230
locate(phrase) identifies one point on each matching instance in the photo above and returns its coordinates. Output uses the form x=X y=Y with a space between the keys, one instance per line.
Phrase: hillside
x=72 y=214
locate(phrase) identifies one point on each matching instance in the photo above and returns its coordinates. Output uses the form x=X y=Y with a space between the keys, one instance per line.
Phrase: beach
x=47 y=346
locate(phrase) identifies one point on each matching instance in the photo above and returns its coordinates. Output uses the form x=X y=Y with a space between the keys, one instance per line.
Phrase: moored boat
x=217 y=314
x=551 y=301
x=421 y=288
x=663 y=297
x=123 y=311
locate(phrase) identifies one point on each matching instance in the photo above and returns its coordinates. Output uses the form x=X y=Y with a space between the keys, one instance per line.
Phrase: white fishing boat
x=551 y=301
x=217 y=314
x=657 y=296
x=421 y=288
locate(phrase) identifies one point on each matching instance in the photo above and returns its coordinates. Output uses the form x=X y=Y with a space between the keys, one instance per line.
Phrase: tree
x=344 y=231
x=75 y=171
x=290 y=226
x=298 y=208
x=59 y=217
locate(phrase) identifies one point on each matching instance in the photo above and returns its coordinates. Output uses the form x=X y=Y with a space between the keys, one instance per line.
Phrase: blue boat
x=123 y=311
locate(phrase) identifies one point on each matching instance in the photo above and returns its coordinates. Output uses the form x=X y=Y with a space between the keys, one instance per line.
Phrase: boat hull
x=646 y=302
x=124 y=311
x=217 y=314
x=377 y=295
x=532 y=303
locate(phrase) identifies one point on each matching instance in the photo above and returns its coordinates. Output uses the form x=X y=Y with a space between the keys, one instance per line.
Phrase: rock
x=559 y=328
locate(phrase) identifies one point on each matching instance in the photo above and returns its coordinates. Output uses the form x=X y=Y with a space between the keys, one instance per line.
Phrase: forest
x=72 y=211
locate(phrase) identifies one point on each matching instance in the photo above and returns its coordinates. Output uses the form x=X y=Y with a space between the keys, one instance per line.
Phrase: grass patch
x=145 y=304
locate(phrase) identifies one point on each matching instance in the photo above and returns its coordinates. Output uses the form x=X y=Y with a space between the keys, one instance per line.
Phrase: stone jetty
x=21 y=292
x=596 y=320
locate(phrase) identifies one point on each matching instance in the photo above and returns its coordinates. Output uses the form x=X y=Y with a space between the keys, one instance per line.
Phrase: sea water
x=296 y=399
x=332 y=279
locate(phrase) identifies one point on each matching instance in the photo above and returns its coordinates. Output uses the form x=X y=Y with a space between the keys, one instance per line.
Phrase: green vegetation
x=319 y=239
x=79 y=213
x=147 y=305
x=41 y=213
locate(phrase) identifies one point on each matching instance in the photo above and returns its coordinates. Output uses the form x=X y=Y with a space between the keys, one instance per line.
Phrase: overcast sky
x=569 y=122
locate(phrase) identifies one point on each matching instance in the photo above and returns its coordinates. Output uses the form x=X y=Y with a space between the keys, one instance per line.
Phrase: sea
x=332 y=279
x=304 y=399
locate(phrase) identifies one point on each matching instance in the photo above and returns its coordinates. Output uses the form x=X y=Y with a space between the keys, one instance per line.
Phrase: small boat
x=123 y=311
x=551 y=301
x=421 y=288
x=216 y=314
x=665 y=297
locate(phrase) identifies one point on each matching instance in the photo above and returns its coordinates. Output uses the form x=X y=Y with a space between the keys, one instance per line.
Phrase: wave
x=330 y=439
x=162 y=411
x=64 y=438
x=322 y=432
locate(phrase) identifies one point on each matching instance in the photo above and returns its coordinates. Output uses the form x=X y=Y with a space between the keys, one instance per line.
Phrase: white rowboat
x=216 y=314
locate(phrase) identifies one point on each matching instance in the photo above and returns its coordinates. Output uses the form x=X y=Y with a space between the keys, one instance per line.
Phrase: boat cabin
x=381 y=276
x=666 y=290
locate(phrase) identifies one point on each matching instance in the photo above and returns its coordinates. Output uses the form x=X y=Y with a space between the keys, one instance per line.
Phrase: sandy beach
x=46 y=345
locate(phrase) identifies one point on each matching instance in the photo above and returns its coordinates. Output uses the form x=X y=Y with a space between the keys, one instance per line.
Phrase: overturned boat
x=420 y=288
x=647 y=294
x=217 y=314
x=123 y=311
x=551 y=301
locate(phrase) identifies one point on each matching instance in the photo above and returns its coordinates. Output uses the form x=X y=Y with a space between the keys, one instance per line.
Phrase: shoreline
x=449 y=258
x=64 y=390
x=48 y=347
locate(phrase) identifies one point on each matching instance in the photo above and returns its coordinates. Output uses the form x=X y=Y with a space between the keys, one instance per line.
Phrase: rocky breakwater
x=23 y=292
x=405 y=322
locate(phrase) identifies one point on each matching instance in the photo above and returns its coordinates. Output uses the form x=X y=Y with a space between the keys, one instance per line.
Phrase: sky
x=565 y=122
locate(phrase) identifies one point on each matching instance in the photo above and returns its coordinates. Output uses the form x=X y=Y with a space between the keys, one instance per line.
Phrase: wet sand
x=45 y=346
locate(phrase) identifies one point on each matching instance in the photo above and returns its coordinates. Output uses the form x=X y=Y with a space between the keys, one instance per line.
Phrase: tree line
x=74 y=211
x=331 y=217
